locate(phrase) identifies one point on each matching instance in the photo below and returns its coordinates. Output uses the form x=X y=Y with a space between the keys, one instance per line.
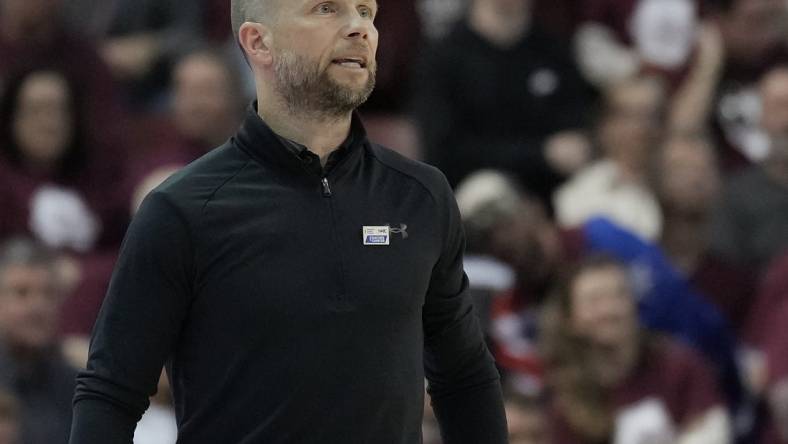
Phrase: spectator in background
x=139 y=39
x=207 y=102
x=51 y=181
x=512 y=254
x=9 y=419
x=688 y=181
x=31 y=365
x=513 y=228
x=615 y=382
x=33 y=34
x=56 y=185
x=620 y=39
x=498 y=92
x=751 y=223
x=755 y=41
x=207 y=108
x=616 y=186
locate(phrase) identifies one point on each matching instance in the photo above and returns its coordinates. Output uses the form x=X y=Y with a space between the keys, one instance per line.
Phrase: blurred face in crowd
x=43 y=121
x=774 y=103
x=631 y=125
x=29 y=306
x=688 y=176
x=529 y=242
x=205 y=103
x=322 y=54
x=527 y=425
x=753 y=27
x=603 y=307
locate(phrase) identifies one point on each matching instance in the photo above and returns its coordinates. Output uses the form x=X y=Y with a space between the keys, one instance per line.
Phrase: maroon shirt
x=669 y=372
x=764 y=322
x=730 y=288
x=772 y=318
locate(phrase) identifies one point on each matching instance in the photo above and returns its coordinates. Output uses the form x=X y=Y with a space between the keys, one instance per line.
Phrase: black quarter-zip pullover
x=249 y=275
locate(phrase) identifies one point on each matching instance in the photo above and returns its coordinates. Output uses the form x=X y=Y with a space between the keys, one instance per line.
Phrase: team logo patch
x=376 y=235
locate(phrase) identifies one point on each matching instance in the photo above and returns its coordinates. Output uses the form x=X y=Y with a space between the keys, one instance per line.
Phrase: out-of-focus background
x=621 y=167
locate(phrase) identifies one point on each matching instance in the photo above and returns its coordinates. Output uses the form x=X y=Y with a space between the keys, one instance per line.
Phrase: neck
x=501 y=26
x=684 y=239
x=321 y=134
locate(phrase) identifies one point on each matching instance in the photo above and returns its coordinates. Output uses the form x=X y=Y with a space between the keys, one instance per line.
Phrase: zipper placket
x=326 y=187
x=340 y=299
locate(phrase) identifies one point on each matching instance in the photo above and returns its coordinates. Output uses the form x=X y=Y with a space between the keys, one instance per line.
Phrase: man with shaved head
x=298 y=282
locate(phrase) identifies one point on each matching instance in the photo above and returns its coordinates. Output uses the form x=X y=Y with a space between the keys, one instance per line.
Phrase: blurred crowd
x=621 y=167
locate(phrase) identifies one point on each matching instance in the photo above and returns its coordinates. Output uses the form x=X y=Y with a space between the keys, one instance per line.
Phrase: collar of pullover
x=262 y=143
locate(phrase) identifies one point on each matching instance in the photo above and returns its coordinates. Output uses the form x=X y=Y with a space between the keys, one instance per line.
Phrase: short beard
x=305 y=89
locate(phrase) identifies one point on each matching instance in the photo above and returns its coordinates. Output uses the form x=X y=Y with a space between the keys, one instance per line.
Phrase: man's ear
x=256 y=40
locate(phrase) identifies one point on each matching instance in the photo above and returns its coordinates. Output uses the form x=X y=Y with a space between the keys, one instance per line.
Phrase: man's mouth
x=351 y=62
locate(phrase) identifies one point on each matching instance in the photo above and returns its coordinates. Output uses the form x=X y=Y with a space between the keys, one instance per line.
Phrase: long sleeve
x=137 y=327
x=463 y=381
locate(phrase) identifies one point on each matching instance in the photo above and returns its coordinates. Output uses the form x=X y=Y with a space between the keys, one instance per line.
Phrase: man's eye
x=366 y=12
x=326 y=8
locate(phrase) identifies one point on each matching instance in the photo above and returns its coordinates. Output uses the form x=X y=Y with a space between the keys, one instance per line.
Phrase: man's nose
x=359 y=28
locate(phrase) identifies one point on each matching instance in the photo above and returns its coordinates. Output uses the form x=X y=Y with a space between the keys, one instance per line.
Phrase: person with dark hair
x=44 y=159
x=56 y=186
x=613 y=381
x=54 y=168
x=31 y=365
x=299 y=282
x=33 y=34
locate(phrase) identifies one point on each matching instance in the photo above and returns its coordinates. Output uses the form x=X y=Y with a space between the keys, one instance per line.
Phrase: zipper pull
x=326 y=188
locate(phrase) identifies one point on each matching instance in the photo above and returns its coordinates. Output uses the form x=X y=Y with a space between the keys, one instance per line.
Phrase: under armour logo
x=403 y=230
